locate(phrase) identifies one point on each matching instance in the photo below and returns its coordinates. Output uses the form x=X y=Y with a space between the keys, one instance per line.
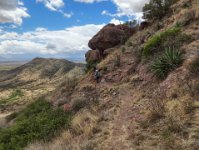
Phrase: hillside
x=147 y=98
x=137 y=106
x=34 y=79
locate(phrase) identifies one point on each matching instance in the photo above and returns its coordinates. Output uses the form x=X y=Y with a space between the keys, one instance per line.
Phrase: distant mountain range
x=37 y=69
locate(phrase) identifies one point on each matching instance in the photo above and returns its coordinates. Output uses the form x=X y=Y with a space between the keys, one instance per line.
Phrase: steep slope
x=139 y=103
x=33 y=79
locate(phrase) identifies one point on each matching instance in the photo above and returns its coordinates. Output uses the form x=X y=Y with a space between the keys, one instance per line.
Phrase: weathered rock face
x=92 y=55
x=110 y=36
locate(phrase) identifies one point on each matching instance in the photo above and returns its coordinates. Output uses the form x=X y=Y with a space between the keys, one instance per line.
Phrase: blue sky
x=57 y=28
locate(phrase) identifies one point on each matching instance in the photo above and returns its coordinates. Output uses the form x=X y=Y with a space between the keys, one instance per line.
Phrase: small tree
x=156 y=9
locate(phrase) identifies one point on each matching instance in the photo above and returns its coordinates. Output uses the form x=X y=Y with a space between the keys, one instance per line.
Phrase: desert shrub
x=90 y=65
x=187 y=4
x=78 y=104
x=158 y=40
x=39 y=121
x=170 y=60
x=157 y=9
x=187 y=18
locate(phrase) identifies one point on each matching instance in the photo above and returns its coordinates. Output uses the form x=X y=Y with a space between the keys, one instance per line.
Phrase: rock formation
x=109 y=36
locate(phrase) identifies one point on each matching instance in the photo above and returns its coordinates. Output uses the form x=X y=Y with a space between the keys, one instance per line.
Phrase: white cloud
x=12 y=11
x=129 y=7
x=56 y=5
x=40 y=29
x=45 y=42
x=124 y=7
x=116 y=21
x=68 y=15
x=89 y=1
x=53 y=5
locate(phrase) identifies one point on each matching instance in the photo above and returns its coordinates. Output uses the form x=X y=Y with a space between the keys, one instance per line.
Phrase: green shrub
x=90 y=65
x=187 y=5
x=170 y=38
x=157 y=9
x=39 y=121
x=169 y=61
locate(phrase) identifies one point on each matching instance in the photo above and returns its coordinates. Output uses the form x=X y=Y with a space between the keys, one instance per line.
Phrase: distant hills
x=37 y=69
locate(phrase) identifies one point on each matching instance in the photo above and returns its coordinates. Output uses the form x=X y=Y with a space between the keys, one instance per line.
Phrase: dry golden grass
x=84 y=123
x=177 y=112
x=75 y=139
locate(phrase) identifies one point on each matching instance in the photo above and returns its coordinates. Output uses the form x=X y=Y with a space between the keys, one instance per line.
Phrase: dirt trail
x=121 y=123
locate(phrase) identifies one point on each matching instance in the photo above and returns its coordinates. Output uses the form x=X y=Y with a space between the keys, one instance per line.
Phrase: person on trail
x=97 y=75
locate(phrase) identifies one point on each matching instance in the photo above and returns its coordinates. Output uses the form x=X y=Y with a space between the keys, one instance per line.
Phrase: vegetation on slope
x=172 y=37
x=14 y=96
x=157 y=9
x=39 y=121
x=170 y=60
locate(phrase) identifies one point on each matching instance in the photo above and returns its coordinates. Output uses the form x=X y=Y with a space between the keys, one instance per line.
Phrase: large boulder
x=92 y=55
x=110 y=36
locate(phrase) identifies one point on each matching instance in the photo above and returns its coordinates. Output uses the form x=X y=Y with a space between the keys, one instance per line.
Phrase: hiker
x=97 y=75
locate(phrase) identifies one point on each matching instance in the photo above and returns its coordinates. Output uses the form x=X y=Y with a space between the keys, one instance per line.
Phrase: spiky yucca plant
x=170 y=60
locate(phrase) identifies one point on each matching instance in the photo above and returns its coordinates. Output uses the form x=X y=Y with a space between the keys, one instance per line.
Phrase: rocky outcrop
x=92 y=55
x=110 y=36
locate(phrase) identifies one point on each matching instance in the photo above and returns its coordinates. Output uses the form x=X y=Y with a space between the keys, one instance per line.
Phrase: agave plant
x=170 y=60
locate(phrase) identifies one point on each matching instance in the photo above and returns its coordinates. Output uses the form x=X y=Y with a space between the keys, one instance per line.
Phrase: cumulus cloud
x=129 y=7
x=44 y=42
x=116 y=21
x=56 y=5
x=67 y=15
x=124 y=7
x=53 y=5
x=12 y=11
x=89 y=1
